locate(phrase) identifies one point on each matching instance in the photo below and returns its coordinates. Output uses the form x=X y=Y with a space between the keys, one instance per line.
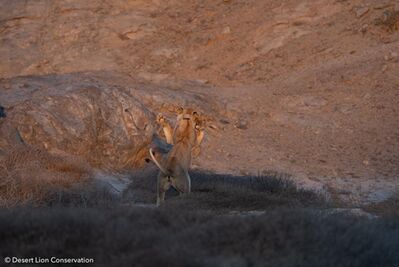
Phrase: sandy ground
x=311 y=88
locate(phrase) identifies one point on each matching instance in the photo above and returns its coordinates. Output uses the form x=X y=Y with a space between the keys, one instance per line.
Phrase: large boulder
x=106 y=118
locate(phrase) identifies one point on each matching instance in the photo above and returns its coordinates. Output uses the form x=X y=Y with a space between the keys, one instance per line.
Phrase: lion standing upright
x=174 y=168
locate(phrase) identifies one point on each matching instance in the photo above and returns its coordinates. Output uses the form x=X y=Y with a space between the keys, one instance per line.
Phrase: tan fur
x=167 y=129
x=199 y=130
x=175 y=166
x=199 y=135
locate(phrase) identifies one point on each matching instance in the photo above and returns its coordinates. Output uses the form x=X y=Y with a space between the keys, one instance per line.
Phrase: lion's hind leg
x=183 y=182
x=164 y=184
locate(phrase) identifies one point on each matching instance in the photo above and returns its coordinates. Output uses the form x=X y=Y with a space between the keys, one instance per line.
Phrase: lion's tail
x=157 y=163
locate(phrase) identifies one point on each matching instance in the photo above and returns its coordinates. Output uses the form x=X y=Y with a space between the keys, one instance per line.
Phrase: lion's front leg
x=166 y=128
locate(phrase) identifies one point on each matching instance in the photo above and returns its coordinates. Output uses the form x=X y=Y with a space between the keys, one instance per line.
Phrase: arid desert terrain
x=300 y=101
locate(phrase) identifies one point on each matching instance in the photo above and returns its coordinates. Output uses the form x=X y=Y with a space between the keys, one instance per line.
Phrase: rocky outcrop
x=105 y=118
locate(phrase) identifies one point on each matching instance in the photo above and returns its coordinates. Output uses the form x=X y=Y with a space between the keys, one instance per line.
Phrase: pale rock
x=361 y=11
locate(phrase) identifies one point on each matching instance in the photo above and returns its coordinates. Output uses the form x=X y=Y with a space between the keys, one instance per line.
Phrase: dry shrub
x=389 y=19
x=134 y=236
x=28 y=174
x=387 y=208
x=219 y=192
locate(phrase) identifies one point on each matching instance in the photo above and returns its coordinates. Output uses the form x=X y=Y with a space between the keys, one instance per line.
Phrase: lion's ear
x=179 y=110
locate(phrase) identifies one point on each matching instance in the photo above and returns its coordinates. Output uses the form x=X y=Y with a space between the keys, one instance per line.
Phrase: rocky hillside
x=217 y=41
x=308 y=88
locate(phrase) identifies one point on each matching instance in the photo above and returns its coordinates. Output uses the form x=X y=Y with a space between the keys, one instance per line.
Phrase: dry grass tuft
x=134 y=236
x=28 y=175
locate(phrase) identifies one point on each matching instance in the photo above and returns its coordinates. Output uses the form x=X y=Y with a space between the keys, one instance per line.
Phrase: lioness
x=166 y=128
x=174 y=168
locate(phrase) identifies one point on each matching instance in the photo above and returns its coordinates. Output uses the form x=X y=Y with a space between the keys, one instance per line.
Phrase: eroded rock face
x=107 y=119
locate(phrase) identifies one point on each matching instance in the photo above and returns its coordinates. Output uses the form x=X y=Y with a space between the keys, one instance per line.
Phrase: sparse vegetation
x=214 y=226
x=304 y=87
x=226 y=192
x=387 y=208
x=31 y=175
x=181 y=237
